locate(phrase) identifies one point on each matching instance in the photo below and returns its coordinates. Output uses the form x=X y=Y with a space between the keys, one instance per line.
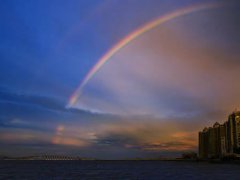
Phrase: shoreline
x=210 y=161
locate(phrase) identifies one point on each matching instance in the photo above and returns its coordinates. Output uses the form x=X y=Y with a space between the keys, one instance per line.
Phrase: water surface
x=116 y=170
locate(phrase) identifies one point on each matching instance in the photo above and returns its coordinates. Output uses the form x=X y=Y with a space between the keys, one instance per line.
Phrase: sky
x=98 y=79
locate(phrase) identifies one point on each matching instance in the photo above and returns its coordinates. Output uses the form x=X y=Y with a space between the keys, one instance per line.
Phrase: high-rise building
x=237 y=121
x=223 y=139
x=203 y=143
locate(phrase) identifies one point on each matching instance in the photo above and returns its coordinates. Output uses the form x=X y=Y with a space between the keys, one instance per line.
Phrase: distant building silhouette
x=221 y=139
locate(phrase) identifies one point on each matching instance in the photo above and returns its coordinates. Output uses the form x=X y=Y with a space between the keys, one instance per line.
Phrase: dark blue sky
x=48 y=47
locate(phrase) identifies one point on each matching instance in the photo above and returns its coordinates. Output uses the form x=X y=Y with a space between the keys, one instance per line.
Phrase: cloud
x=50 y=103
x=23 y=136
x=169 y=146
x=69 y=137
x=107 y=136
x=99 y=135
x=146 y=135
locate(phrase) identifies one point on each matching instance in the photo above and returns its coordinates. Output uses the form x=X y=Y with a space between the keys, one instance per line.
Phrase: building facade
x=221 y=139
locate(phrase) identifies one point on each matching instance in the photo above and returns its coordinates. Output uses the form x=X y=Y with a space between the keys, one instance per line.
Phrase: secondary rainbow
x=147 y=27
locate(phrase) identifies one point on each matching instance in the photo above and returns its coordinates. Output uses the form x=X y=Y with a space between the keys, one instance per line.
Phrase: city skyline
x=221 y=140
x=115 y=79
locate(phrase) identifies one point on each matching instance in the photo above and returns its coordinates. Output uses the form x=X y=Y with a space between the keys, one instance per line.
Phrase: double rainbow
x=138 y=32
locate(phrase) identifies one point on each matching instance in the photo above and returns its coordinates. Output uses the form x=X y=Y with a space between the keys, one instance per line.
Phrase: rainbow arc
x=135 y=34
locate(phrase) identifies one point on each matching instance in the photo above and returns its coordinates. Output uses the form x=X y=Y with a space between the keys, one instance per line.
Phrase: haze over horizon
x=148 y=99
